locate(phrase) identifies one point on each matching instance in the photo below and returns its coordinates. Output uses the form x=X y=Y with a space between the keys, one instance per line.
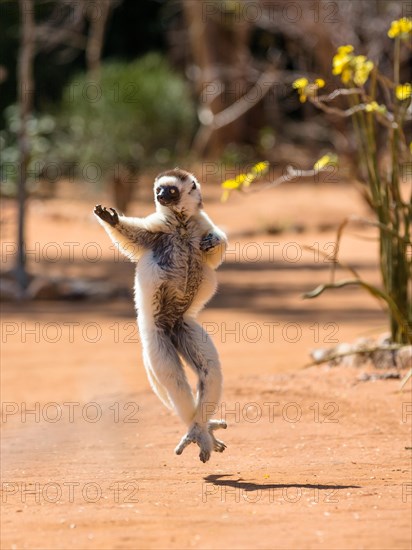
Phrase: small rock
x=10 y=291
x=384 y=359
x=43 y=289
x=320 y=354
x=384 y=339
x=343 y=349
x=404 y=357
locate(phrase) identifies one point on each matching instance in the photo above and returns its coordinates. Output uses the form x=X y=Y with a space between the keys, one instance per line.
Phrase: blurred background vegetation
x=104 y=91
x=138 y=83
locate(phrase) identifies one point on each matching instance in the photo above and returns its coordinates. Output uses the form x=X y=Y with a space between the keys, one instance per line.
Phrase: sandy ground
x=315 y=458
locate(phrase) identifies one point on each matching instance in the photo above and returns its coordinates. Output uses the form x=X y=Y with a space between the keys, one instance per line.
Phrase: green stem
x=376 y=292
x=398 y=262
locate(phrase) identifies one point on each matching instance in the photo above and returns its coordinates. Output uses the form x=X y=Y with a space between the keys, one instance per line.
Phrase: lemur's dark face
x=179 y=191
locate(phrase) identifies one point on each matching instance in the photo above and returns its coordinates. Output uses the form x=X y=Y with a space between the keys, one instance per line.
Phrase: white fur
x=163 y=360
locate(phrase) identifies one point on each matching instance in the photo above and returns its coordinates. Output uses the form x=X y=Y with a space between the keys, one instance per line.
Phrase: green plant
x=41 y=131
x=381 y=185
x=137 y=113
x=393 y=211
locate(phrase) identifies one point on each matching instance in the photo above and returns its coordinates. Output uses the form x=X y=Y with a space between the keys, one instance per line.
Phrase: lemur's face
x=179 y=191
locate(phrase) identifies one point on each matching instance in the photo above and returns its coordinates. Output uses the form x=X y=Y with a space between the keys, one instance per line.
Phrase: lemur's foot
x=198 y=435
x=213 y=425
x=218 y=445
x=112 y=218
x=209 y=241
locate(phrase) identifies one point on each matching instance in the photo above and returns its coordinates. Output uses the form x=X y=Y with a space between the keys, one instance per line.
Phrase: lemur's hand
x=112 y=218
x=209 y=241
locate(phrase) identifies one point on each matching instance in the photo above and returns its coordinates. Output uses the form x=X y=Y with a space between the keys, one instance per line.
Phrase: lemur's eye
x=172 y=190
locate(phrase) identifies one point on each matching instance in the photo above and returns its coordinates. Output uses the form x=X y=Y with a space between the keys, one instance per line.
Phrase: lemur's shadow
x=250 y=486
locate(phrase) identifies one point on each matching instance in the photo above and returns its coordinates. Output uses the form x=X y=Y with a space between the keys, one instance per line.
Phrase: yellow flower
x=307 y=89
x=257 y=170
x=403 y=91
x=344 y=50
x=351 y=67
x=330 y=159
x=342 y=58
x=260 y=168
x=249 y=178
x=400 y=27
x=234 y=183
x=361 y=68
x=243 y=180
x=300 y=85
x=374 y=107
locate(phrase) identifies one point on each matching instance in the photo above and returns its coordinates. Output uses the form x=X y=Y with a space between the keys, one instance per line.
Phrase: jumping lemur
x=177 y=250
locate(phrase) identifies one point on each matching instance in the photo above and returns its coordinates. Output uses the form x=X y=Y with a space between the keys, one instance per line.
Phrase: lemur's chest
x=178 y=261
x=178 y=255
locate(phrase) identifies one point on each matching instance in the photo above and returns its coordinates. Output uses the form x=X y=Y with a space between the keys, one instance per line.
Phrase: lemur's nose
x=167 y=193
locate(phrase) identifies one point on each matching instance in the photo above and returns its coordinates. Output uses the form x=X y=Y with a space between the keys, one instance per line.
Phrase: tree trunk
x=25 y=84
x=98 y=20
x=220 y=51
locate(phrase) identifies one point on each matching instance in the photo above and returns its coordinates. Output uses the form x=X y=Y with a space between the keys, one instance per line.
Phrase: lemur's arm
x=213 y=243
x=132 y=235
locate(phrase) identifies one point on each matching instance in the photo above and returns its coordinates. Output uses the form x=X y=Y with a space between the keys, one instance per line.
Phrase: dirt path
x=315 y=459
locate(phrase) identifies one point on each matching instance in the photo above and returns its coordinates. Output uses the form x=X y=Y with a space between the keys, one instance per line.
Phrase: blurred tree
x=222 y=61
x=229 y=45
x=139 y=114
x=94 y=45
x=52 y=32
x=76 y=25
x=132 y=29
x=25 y=89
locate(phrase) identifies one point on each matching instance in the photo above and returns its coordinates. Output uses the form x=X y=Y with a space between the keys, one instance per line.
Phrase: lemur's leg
x=157 y=387
x=166 y=370
x=197 y=349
